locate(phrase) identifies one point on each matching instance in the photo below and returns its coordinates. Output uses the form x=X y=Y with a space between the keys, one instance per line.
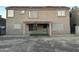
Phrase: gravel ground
x=39 y=44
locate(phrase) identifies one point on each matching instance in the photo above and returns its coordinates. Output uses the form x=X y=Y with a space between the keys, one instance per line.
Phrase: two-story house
x=28 y=20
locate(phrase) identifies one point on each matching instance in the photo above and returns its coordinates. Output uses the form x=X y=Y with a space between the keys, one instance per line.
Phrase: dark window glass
x=32 y=27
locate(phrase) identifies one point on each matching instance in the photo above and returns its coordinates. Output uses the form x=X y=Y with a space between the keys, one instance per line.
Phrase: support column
x=24 y=29
x=50 y=29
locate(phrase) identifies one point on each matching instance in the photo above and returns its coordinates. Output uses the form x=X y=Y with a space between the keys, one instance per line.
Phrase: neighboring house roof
x=37 y=7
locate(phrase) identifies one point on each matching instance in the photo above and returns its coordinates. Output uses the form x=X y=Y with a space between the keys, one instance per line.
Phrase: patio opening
x=38 y=29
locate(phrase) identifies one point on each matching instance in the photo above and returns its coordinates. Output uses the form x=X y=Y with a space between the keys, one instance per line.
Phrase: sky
x=40 y=2
x=3 y=11
x=4 y=3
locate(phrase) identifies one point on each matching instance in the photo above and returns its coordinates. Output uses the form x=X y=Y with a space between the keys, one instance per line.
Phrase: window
x=22 y=11
x=61 y=13
x=33 y=14
x=45 y=25
x=32 y=27
x=58 y=27
x=17 y=26
x=10 y=13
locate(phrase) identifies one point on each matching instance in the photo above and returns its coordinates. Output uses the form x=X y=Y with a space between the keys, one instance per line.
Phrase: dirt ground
x=39 y=44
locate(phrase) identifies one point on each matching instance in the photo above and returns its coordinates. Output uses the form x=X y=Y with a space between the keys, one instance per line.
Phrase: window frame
x=58 y=27
x=61 y=13
x=31 y=17
x=32 y=27
x=10 y=11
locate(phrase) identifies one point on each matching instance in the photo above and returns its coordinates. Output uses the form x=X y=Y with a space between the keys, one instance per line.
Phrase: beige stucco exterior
x=44 y=14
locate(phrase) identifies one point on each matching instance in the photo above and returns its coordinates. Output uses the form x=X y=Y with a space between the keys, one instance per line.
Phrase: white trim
x=61 y=13
x=10 y=13
x=50 y=29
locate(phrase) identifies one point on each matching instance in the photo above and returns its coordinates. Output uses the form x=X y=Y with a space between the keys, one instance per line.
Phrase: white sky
x=69 y=3
x=39 y=2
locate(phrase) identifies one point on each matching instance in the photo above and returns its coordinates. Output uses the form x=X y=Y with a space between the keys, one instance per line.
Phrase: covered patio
x=39 y=28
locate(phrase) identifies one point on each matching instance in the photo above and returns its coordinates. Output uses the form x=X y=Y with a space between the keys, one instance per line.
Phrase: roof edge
x=37 y=7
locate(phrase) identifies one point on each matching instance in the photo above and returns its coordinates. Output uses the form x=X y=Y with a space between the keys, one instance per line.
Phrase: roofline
x=37 y=7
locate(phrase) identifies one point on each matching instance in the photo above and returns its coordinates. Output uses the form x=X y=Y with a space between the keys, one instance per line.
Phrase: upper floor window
x=10 y=13
x=22 y=12
x=61 y=13
x=33 y=14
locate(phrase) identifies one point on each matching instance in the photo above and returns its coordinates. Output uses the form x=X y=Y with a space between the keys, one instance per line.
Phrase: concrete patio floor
x=61 y=43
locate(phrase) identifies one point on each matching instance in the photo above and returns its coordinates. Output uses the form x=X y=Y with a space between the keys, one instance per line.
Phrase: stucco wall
x=43 y=15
